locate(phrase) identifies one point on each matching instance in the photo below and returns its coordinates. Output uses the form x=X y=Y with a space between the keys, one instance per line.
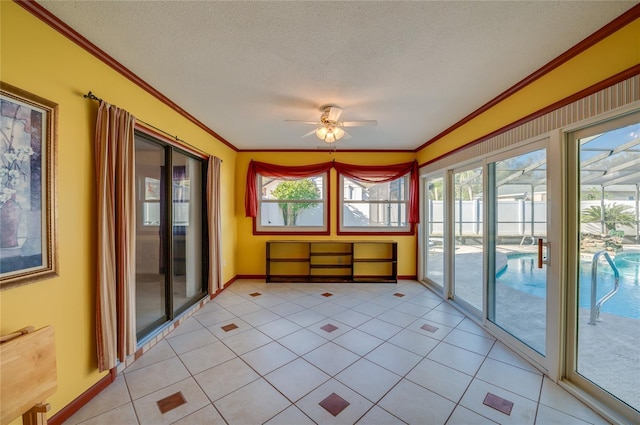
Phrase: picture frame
x=28 y=140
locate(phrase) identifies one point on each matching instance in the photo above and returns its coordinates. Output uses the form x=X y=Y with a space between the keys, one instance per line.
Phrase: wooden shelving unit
x=332 y=261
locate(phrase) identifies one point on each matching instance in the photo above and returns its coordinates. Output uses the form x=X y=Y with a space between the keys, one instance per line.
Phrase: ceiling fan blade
x=363 y=123
x=334 y=113
x=346 y=136
x=303 y=122
x=309 y=133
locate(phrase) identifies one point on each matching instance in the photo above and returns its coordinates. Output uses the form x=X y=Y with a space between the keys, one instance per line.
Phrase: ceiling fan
x=330 y=128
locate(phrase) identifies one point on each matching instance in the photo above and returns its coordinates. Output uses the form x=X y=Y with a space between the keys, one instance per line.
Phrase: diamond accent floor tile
x=255 y=294
x=329 y=328
x=171 y=402
x=334 y=404
x=398 y=294
x=327 y=294
x=429 y=328
x=498 y=403
x=229 y=327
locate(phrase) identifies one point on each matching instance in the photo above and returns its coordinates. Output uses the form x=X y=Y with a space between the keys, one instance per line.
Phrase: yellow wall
x=38 y=59
x=253 y=247
x=614 y=54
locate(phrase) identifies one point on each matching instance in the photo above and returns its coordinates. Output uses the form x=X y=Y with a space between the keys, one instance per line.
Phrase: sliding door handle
x=541 y=259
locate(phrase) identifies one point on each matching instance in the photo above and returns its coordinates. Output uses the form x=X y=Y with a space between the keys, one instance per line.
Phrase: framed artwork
x=27 y=187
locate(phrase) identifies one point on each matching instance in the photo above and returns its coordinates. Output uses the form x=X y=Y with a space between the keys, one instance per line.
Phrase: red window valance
x=277 y=171
x=362 y=173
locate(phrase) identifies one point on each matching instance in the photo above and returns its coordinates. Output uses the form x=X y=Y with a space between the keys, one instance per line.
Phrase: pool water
x=522 y=274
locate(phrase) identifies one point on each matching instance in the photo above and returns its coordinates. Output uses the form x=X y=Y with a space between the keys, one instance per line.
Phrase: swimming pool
x=522 y=274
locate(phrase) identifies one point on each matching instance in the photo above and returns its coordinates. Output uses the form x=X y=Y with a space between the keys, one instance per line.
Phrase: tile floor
x=298 y=354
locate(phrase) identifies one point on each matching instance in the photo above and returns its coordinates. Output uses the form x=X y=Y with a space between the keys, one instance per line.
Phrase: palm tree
x=614 y=215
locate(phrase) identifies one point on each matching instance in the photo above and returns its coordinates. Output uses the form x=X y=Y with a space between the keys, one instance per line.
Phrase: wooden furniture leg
x=37 y=415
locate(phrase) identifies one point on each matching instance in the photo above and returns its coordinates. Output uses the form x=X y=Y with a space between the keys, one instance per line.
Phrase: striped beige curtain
x=215 y=230
x=115 y=292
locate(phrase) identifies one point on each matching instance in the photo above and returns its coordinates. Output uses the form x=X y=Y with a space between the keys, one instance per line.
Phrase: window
x=374 y=207
x=295 y=205
x=171 y=235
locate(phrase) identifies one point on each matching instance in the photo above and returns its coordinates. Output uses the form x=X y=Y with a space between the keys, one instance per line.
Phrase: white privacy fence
x=515 y=218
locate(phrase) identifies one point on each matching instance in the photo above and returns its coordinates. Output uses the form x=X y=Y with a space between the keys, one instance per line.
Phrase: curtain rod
x=92 y=96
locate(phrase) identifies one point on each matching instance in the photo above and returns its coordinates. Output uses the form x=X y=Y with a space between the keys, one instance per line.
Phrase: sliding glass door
x=517 y=228
x=434 y=230
x=604 y=293
x=171 y=241
x=468 y=233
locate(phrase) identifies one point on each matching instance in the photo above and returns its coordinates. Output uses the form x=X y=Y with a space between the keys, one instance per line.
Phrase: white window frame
x=407 y=228
x=259 y=228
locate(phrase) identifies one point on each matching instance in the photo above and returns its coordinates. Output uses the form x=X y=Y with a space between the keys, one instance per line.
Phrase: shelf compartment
x=288 y=250
x=289 y=268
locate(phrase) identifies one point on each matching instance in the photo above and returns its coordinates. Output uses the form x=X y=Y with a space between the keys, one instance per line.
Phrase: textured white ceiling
x=242 y=68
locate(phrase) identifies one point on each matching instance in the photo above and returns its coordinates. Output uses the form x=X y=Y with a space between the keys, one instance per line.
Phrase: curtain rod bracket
x=92 y=96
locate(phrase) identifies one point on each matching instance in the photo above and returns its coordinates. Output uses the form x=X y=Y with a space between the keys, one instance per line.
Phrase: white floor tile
x=192 y=340
x=206 y=357
x=286 y=308
x=244 y=308
x=440 y=379
x=290 y=416
x=358 y=342
x=260 y=317
x=444 y=318
x=331 y=358
x=394 y=358
x=416 y=405
x=368 y=379
x=124 y=414
x=351 y=318
x=380 y=329
x=211 y=317
x=456 y=358
x=225 y=378
x=115 y=395
x=254 y=403
x=506 y=355
x=302 y=341
x=268 y=357
x=463 y=416
x=279 y=328
x=208 y=415
x=547 y=415
x=297 y=379
x=414 y=342
x=246 y=341
x=522 y=413
x=468 y=341
x=154 y=377
x=511 y=378
x=306 y=318
x=378 y=416
x=431 y=329
x=148 y=410
x=556 y=397
x=397 y=318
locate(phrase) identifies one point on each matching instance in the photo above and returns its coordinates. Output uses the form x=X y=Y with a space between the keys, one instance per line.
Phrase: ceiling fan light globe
x=338 y=133
x=321 y=133
x=330 y=137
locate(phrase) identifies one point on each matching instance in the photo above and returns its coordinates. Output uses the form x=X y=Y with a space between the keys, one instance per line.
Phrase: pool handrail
x=595 y=306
